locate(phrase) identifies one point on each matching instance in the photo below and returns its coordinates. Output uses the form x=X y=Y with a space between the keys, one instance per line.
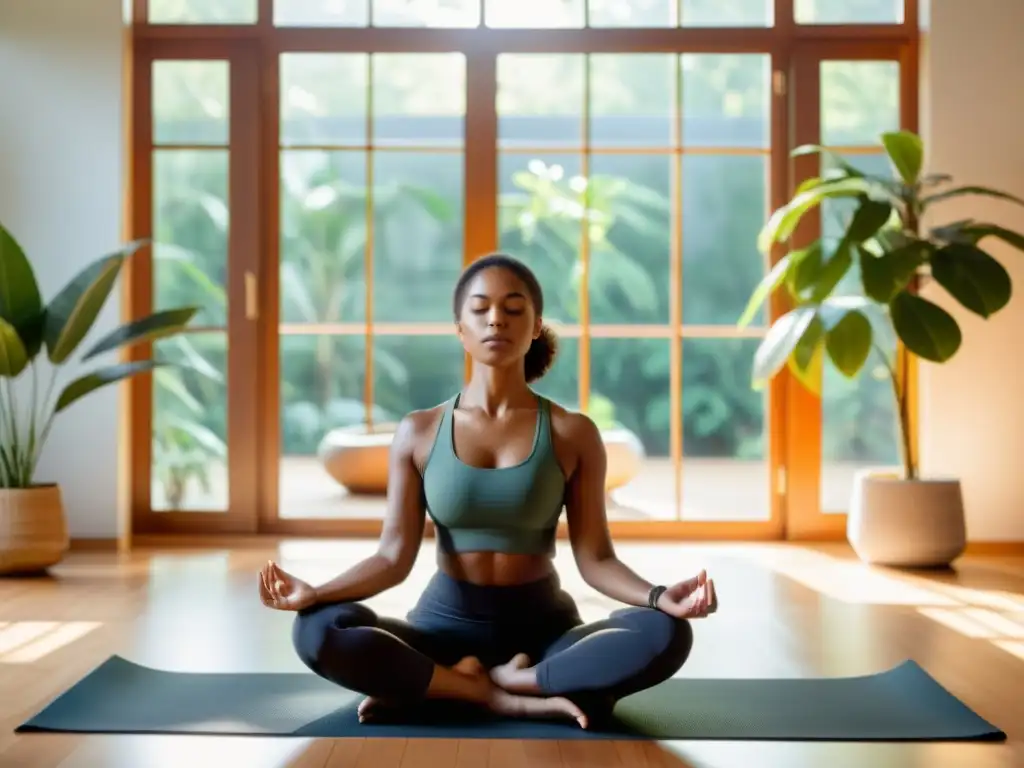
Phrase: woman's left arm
x=591 y=540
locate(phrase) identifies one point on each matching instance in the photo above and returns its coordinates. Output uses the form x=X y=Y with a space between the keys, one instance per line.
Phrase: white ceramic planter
x=906 y=523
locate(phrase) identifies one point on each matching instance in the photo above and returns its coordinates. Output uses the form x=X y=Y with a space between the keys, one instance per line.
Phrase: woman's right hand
x=283 y=591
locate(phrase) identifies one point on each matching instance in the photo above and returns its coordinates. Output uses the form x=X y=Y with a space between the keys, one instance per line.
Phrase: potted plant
x=33 y=530
x=901 y=518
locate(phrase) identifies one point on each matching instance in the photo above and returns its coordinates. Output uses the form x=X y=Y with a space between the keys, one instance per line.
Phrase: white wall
x=61 y=172
x=972 y=408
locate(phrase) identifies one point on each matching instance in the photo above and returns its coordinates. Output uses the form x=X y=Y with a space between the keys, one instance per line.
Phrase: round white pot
x=906 y=523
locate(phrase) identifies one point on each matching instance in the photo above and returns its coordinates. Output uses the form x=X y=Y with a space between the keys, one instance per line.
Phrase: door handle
x=251 y=296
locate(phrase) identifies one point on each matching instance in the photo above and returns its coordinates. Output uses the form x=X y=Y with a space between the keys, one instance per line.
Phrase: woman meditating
x=493 y=467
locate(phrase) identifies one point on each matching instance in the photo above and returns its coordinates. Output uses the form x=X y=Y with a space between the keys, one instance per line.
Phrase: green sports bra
x=513 y=510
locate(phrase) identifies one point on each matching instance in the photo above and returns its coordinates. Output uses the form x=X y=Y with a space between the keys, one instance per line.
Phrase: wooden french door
x=195 y=176
x=848 y=96
x=387 y=170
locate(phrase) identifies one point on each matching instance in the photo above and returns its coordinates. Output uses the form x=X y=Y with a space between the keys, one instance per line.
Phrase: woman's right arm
x=404 y=521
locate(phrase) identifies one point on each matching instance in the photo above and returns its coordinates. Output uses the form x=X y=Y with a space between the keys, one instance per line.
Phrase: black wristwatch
x=654 y=595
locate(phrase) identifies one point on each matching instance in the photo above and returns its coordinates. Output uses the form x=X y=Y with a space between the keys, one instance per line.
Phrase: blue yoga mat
x=901 y=704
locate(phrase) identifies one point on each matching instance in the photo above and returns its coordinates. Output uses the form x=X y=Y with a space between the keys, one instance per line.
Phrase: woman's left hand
x=691 y=599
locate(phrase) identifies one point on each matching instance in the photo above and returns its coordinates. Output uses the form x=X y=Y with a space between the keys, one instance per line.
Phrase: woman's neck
x=495 y=390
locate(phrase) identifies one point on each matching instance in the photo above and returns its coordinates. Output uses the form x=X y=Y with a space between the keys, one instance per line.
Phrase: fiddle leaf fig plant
x=847 y=293
x=28 y=326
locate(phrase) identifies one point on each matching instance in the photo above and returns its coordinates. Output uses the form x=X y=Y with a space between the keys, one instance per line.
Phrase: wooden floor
x=785 y=611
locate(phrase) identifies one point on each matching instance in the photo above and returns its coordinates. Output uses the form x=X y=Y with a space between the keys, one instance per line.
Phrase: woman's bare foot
x=469 y=681
x=554 y=707
x=375 y=710
x=503 y=702
x=516 y=675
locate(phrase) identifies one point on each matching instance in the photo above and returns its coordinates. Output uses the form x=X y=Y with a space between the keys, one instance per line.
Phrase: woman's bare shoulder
x=417 y=431
x=572 y=424
x=574 y=430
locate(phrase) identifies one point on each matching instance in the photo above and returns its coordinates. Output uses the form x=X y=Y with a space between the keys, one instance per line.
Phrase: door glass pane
x=191 y=230
x=859 y=100
x=540 y=100
x=630 y=401
x=417 y=244
x=203 y=11
x=726 y=100
x=190 y=102
x=419 y=99
x=393 y=194
x=321 y=13
x=848 y=11
x=725 y=201
x=322 y=394
x=632 y=100
x=189 y=427
x=324 y=99
x=725 y=433
x=632 y=13
x=728 y=13
x=426 y=13
x=630 y=238
x=535 y=14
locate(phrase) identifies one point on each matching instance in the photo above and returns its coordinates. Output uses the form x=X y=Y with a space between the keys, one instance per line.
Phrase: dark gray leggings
x=633 y=649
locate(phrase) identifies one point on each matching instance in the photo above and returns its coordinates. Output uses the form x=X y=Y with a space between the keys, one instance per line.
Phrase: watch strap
x=654 y=595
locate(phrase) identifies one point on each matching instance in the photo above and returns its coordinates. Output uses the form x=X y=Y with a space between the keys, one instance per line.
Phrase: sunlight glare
x=40 y=639
x=21 y=632
x=849 y=581
x=956 y=620
x=1011 y=646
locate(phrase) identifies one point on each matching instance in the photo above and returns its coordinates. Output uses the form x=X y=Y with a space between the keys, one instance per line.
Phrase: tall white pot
x=906 y=523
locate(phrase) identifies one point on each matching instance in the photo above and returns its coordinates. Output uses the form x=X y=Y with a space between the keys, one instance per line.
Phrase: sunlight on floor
x=24 y=642
x=983 y=614
x=175 y=751
x=849 y=581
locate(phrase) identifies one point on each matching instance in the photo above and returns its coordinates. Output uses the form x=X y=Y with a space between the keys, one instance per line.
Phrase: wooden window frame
x=254 y=50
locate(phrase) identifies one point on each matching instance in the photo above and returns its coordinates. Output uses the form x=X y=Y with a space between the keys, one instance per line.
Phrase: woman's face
x=497 y=322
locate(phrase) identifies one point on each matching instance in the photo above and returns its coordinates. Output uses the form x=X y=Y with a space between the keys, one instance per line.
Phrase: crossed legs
x=387 y=659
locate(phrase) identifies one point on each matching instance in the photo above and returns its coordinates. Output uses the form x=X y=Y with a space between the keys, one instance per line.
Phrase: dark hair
x=543 y=349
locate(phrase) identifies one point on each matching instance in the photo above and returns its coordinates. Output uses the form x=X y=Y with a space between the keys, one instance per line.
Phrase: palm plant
x=28 y=326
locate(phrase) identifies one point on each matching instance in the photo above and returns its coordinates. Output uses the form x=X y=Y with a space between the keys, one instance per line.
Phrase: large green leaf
x=849 y=342
x=805 y=363
x=883 y=276
x=783 y=222
x=157 y=325
x=906 y=151
x=72 y=312
x=972 y=277
x=815 y=277
x=870 y=216
x=949 y=194
x=20 y=301
x=764 y=289
x=829 y=156
x=779 y=343
x=925 y=328
x=975 y=233
x=13 y=357
x=90 y=382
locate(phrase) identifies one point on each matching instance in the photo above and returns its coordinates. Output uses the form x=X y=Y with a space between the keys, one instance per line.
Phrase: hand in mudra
x=283 y=591
x=691 y=599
